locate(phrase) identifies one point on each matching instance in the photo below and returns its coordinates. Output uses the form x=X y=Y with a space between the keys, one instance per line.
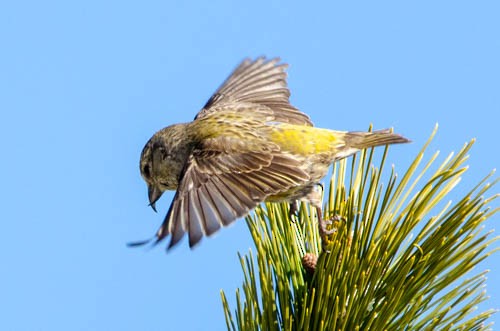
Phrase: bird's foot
x=328 y=227
x=323 y=228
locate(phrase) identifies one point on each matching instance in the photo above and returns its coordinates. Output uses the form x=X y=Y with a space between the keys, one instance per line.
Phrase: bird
x=247 y=145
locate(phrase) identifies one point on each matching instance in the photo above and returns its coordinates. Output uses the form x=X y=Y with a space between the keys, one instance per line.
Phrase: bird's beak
x=154 y=194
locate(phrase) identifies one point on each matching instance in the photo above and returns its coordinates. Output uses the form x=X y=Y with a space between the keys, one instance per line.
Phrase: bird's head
x=162 y=160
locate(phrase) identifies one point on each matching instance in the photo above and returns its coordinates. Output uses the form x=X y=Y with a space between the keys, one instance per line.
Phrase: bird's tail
x=362 y=140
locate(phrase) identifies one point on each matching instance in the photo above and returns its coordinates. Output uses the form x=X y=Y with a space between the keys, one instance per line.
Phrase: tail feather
x=362 y=140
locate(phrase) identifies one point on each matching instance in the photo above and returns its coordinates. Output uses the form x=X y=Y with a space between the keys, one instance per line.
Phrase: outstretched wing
x=260 y=82
x=218 y=187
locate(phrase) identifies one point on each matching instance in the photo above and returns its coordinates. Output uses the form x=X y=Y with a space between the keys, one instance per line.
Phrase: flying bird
x=247 y=145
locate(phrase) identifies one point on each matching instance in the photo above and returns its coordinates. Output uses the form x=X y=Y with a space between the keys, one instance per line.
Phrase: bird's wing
x=260 y=82
x=217 y=187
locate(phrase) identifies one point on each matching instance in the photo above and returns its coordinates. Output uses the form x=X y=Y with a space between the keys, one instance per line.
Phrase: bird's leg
x=294 y=210
x=315 y=197
x=322 y=225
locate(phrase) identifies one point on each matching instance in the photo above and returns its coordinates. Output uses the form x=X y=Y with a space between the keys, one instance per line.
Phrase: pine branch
x=400 y=258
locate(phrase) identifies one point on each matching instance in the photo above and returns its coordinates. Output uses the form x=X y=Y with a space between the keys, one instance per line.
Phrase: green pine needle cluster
x=400 y=257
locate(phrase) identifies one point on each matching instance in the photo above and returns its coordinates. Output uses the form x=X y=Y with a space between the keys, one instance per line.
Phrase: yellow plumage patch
x=254 y=129
x=305 y=140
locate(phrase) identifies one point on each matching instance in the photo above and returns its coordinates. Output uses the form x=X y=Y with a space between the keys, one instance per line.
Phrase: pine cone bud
x=309 y=261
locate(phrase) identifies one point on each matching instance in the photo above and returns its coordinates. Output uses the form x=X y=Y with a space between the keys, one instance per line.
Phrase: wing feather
x=250 y=72
x=210 y=197
x=261 y=83
x=193 y=212
x=212 y=221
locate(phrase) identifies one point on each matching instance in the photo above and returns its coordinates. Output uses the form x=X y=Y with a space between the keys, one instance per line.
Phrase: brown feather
x=262 y=83
x=361 y=140
x=214 y=192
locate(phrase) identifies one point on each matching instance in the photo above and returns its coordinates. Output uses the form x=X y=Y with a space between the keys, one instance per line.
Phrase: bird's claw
x=323 y=228
x=325 y=232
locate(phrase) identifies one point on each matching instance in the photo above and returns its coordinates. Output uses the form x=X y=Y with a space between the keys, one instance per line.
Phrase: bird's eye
x=146 y=171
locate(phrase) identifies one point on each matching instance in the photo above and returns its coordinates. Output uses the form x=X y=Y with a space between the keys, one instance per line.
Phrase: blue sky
x=84 y=84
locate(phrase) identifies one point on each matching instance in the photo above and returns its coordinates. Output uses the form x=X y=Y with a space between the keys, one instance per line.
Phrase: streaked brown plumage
x=247 y=145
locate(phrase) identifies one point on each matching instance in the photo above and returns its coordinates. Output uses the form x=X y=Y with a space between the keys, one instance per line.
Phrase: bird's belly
x=317 y=168
x=295 y=193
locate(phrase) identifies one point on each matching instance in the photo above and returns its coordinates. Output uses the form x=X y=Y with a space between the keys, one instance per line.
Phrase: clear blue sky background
x=84 y=84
